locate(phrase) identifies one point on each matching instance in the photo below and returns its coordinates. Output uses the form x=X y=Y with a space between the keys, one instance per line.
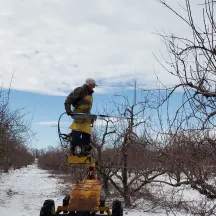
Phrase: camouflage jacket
x=76 y=97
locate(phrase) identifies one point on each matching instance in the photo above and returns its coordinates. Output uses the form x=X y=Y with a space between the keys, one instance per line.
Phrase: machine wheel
x=66 y=202
x=83 y=213
x=102 y=204
x=117 y=209
x=48 y=208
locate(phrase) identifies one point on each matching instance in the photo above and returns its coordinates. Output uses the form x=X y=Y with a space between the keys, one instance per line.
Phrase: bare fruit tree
x=189 y=144
x=15 y=132
x=130 y=163
x=193 y=61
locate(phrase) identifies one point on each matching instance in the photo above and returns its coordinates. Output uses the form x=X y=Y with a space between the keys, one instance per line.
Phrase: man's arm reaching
x=72 y=99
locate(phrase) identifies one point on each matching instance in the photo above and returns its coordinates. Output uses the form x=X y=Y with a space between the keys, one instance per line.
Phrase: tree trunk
x=127 y=200
x=6 y=166
x=106 y=185
x=125 y=176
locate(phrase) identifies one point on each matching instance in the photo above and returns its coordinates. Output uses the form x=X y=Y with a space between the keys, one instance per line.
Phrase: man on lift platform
x=81 y=99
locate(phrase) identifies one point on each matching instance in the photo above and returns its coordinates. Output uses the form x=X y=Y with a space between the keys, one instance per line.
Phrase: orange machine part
x=85 y=196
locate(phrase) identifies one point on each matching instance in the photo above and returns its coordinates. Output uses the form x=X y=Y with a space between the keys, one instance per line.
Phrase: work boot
x=86 y=150
x=72 y=150
x=83 y=154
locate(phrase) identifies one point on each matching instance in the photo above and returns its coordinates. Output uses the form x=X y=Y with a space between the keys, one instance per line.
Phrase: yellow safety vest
x=83 y=106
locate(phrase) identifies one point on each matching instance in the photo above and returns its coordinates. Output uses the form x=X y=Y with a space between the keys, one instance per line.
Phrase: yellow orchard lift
x=86 y=196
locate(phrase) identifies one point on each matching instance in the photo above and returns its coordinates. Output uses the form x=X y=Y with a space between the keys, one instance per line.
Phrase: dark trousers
x=80 y=138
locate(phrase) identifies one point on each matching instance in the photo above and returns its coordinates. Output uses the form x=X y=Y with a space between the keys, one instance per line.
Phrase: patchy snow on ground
x=23 y=191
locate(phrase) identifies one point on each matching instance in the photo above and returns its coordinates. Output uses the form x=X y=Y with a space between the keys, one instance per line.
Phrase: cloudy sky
x=48 y=47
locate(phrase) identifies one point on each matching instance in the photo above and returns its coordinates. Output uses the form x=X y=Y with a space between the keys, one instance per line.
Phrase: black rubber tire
x=102 y=204
x=48 y=208
x=117 y=209
x=71 y=214
x=66 y=202
x=84 y=213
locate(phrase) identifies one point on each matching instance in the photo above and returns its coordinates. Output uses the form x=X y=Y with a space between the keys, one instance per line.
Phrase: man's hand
x=92 y=122
x=68 y=109
x=69 y=112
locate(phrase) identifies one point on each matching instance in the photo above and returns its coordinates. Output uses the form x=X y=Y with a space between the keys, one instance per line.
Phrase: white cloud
x=53 y=46
x=51 y=123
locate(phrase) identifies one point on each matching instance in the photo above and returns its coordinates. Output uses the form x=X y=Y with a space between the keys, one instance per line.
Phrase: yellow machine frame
x=85 y=195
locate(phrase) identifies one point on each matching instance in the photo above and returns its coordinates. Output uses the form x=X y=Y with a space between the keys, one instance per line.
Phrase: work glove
x=68 y=109
x=92 y=122
x=69 y=113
